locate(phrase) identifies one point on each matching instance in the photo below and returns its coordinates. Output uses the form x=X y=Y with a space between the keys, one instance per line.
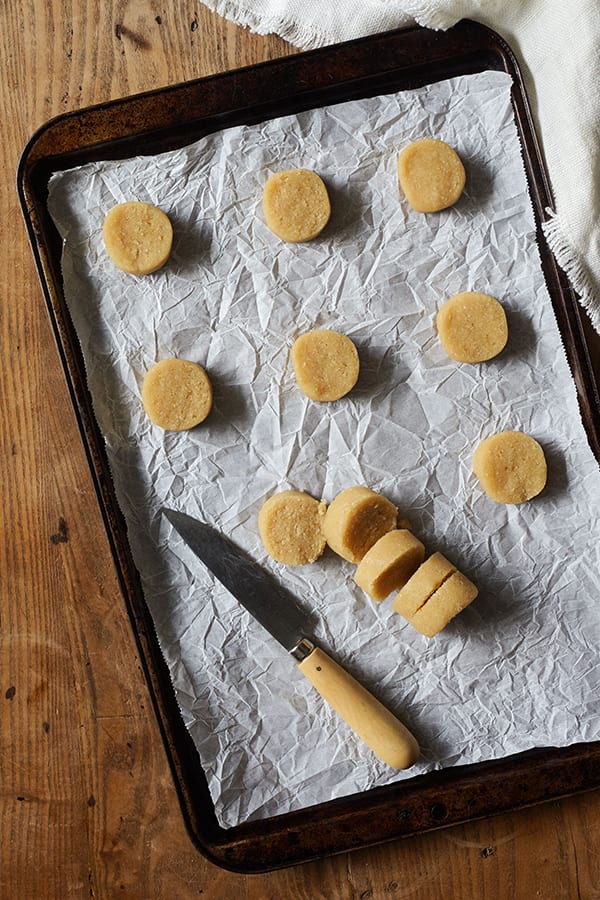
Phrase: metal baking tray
x=172 y=117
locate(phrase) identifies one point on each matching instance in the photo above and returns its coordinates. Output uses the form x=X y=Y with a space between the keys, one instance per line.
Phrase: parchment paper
x=520 y=667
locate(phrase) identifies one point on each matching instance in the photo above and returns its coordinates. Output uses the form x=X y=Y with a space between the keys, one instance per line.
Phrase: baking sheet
x=516 y=669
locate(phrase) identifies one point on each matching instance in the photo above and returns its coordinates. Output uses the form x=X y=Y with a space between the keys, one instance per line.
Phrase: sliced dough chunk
x=296 y=205
x=177 y=394
x=326 y=364
x=511 y=467
x=425 y=581
x=390 y=562
x=355 y=519
x=472 y=327
x=431 y=175
x=444 y=604
x=290 y=525
x=138 y=237
x=434 y=595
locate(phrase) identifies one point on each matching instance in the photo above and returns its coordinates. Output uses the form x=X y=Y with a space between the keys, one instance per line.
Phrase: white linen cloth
x=558 y=48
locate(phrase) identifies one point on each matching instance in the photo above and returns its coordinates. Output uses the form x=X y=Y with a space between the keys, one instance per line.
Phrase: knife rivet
x=318 y=668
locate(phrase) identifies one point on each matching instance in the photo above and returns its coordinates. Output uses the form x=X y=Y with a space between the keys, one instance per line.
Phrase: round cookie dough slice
x=511 y=467
x=290 y=525
x=326 y=364
x=296 y=205
x=434 y=595
x=472 y=327
x=389 y=563
x=356 y=519
x=431 y=175
x=177 y=394
x=451 y=597
x=138 y=237
x=422 y=584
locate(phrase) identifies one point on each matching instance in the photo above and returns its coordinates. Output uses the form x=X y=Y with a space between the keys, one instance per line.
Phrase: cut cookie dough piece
x=434 y=595
x=290 y=525
x=425 y=581
x=389 y=563
x=431 y=175
x=296 y=205
x=444 y=604
x=325 y=364
x=138 y=237
x=177 y=394
x=356 y=519
x=511 y=466
x=472 y=327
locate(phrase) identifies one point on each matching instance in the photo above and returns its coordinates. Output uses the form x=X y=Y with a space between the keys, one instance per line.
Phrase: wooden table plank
x=87 y=801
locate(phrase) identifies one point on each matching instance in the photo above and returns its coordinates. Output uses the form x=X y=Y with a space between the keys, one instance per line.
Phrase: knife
x=277 y=612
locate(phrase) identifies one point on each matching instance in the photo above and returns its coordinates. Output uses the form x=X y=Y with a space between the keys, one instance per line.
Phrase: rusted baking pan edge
x=168 y=118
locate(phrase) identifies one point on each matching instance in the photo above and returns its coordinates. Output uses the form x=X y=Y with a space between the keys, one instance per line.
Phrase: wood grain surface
x=88 y=806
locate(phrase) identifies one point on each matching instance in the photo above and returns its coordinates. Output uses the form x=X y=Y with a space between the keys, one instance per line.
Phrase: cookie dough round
x=435 y=594
x=326 y=364
x=390 y=562
x=422 y=584
x=290 y=525
x=431 y=175
x=177 y=394
x=296 y=205
x=472 y=327
x=356 y=519
x=138 y=237
x=511 y=467
x=448 y=601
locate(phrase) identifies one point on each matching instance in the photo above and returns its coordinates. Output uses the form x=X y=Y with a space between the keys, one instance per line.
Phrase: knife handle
x=368 y=718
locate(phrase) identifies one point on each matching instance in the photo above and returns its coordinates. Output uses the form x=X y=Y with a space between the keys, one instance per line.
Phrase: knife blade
x=277 y=611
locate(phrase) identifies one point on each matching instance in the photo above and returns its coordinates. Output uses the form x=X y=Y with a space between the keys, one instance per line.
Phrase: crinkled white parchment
x=520 y=667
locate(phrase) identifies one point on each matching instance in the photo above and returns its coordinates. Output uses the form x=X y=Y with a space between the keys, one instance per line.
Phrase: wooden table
x=88 y=806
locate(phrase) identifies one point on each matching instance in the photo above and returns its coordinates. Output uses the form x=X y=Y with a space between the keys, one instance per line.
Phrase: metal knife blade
x=277 y=611
x=270 y=604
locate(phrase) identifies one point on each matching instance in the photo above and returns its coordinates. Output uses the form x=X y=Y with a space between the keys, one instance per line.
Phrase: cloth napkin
x=557 y=44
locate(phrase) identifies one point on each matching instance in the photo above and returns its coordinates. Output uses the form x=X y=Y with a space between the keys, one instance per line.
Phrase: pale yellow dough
x=390 y=562
x=427 y=579
x=431 y=175
x=356 y=519
x=435 y=594
x=296 y=205
x=138 y=237
x=450 y=598
x=177 y=394
x=326 y=364
x=510 y=466
x=290 y=525
x=472 y=327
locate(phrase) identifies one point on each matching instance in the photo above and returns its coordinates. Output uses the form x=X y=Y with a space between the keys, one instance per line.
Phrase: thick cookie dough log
x=511 y=467
x=138 y=237
x=177 y=394
x=390 y=562
x=290 y=525
x=431 y=175
x=326 y=364
x=296 y=205
x=356 y=519
x=434 y=595
x=472 y=327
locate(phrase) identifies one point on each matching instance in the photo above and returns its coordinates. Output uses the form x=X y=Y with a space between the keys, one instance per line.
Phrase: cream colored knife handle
x=368 y=718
